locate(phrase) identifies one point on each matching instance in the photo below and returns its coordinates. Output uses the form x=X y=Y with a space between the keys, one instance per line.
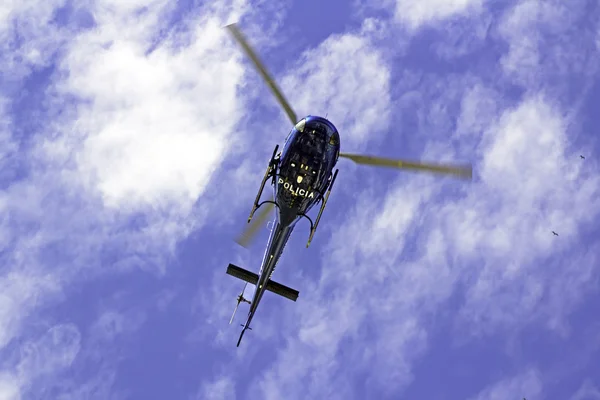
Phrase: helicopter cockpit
x=307 y=158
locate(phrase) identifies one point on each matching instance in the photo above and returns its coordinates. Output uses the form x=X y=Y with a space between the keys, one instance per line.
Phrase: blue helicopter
x=302 y=176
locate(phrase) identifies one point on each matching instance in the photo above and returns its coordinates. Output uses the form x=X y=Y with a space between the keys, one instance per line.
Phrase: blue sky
x=133 y=135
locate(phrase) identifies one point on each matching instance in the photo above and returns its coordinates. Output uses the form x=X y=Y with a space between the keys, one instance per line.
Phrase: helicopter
x=302 y=175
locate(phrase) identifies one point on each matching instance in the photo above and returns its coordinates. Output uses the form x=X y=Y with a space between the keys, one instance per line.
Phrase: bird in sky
x=582 y=157
x=555 y=234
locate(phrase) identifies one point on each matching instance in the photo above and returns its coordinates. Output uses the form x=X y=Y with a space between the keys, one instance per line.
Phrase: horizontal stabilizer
x=242 y=274
x=282 y=290
x=272 y=286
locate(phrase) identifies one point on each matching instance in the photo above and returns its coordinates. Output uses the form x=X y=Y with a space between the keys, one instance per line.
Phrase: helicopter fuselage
x=300 y=175
x=303 y=173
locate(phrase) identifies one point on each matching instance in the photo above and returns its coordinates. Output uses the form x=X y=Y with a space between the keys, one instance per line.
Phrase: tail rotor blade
x=239 y=300
x=262 y=70
x=234 y=311
x=241 y=297
x=461 y=171
x=246 y=237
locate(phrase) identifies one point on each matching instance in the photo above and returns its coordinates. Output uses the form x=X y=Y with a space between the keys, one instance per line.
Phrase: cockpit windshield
x=312 y=143
x=308 y=156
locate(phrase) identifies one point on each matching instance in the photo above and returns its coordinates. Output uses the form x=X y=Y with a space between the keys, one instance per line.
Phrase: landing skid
x=313 y=227
x=270 y=173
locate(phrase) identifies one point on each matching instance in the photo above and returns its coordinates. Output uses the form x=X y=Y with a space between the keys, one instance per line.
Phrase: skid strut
x=270 y=171
x=313 y=228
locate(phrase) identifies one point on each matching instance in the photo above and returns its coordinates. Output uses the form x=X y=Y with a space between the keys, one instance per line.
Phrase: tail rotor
x=240 y=298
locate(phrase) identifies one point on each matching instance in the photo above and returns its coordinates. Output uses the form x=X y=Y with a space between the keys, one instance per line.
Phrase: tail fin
x=242 y=334
x=240 y=339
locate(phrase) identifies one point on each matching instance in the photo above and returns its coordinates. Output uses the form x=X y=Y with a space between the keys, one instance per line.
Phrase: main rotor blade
x=462 y=171
x=246 y=237
x=262 y=70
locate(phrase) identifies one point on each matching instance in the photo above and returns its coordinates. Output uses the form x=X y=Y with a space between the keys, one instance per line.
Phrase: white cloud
x=156 y=128
x=415 y=13
x=462 y=36
x=543 y=43
x=8 y=153
x=587 y=391
x=221 y=388
x=20 y=291
x=348 y=79
x=131 y=136
x=531 y=184
x=519 y=29
x=5 y=126
x=52 y=352
x=55 y=350
x=107 y=341
x=494 y=237
x=525 y=150
x=526 y=385
x=112 y=323
x=478 y=110
x=9 y=388
x=146 y=131
x=28 y=37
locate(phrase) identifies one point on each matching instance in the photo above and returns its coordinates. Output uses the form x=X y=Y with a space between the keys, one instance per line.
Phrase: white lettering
x=296 y=191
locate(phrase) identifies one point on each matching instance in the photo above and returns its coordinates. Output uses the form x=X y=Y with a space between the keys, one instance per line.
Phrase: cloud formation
x=131 y=128
x=528 y=383
x=130 y=134
x=394 y=264
x=353 y=94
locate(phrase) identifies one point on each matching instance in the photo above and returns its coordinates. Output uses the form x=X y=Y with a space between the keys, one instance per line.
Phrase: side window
x=334 y=139
x=296 y=130
x=288 y=140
